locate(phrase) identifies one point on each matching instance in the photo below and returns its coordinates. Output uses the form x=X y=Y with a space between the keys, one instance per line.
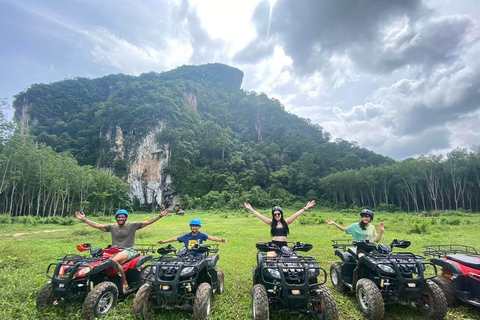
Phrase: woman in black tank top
x=278 y=224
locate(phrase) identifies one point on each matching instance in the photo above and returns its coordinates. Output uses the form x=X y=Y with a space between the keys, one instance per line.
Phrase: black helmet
x=367 y=212
x=277 y=209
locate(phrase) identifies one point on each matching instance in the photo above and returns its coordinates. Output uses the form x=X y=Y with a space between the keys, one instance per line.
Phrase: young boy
x=194 y=237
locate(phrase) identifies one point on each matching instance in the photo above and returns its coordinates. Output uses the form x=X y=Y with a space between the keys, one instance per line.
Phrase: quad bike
x=289 y=283
x=460 y=278
x=93 y=280
x=186 y=279
x=386 y=277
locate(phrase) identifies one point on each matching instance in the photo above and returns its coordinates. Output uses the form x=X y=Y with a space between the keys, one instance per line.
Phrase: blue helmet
x=121 y=211
x=196 y=222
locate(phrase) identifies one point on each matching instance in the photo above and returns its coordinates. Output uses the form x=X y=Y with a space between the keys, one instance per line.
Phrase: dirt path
x=23 y=233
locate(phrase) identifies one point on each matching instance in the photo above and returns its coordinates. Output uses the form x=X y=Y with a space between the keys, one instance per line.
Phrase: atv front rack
x=440 y=250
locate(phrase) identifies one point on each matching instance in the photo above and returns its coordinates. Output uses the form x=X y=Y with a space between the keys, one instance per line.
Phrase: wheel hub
x=105 y=302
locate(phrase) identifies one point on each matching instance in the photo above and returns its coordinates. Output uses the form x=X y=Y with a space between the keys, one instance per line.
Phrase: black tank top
x=280 y=232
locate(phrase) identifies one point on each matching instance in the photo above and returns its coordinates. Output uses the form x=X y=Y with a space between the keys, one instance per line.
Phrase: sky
x=399 y=77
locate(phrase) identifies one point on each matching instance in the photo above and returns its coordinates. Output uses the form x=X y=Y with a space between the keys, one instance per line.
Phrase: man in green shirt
x=123 y=235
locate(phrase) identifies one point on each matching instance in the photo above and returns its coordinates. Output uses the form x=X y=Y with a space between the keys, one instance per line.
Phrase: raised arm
x=263 y=218
x=81 y=216
x=332 y=223
x=300 y=212
x=149 y=222
x=167 y=241
x=380 y=235
x=217 y=239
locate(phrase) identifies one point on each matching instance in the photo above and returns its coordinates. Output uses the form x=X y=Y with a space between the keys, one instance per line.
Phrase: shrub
x=419 y=228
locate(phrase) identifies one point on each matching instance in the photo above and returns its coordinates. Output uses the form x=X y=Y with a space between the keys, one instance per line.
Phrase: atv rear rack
x=440 y=250
x=342 y=244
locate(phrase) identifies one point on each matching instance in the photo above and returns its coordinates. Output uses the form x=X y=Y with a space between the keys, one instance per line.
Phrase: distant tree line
x=37 y=181
x=429 y=183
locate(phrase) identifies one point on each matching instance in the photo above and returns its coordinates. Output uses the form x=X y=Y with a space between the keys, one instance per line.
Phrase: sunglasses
x=277 y=214
x=364 y=215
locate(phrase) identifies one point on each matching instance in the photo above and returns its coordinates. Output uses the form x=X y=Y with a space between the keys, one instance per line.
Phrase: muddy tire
x=260 y=303
x=322 y=304
x=336 y=278
x=221 y=282
x=433 y=303
x=100 y=300
x=448 y=289
x=45 y=297
x=202 y=306
x=254 y=275
x=370 y=299
x=145 y=302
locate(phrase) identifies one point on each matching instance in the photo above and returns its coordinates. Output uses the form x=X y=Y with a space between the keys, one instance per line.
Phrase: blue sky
x=399 y=77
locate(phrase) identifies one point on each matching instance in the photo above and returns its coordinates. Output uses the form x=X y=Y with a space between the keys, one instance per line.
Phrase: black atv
x=179 y=279
x=92 y=280
x=289 y=283
x=385 y=277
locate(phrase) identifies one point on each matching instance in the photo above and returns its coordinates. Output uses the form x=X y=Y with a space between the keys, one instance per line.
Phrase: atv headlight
x=186 y=271
x=83 y=272
x=386 y=269
x=274 y=273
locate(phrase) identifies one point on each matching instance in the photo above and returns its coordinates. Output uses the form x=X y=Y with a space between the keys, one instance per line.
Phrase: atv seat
x=212 y=260
x=468 y=261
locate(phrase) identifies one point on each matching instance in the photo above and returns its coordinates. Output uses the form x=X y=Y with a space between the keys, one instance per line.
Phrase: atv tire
x=323 y=305
x=336 y=278
x=370 y=299
x=254 y=275
x=448 y=289
x=100 y=300
x=202 y=306
x=221 y=282
x=260 y=308
x=45 y=297
x=433 y=303
x=145 y=302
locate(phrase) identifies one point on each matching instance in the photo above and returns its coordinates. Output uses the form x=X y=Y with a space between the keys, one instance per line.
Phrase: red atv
x=93 y=280
x=460 y=278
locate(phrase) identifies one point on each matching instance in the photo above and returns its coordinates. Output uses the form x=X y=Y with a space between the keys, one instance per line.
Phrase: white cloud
x=130 y=58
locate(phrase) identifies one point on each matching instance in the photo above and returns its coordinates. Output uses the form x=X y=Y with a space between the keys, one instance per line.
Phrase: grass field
x=26 y=250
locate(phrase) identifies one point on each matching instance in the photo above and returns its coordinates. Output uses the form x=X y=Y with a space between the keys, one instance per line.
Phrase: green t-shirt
x=124 y=237
x=358 y=234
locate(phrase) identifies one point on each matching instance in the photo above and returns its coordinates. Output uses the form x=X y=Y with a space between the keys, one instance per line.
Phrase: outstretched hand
x=330 y=222
x=80 y=216
x=381 y=227
x=224 y=240
x=310 y=204
x=160 y=242
x=248 y=206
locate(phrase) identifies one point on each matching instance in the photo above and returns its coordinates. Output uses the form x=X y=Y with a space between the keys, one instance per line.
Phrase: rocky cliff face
x=149 y=184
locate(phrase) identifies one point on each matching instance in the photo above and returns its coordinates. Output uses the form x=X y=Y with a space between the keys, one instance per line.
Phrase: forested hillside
x=221 y=144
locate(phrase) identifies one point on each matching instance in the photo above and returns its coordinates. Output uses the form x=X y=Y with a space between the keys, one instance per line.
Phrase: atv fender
x=107 y=264
x=345 y=256
x=212 y=261
x=445 y=264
